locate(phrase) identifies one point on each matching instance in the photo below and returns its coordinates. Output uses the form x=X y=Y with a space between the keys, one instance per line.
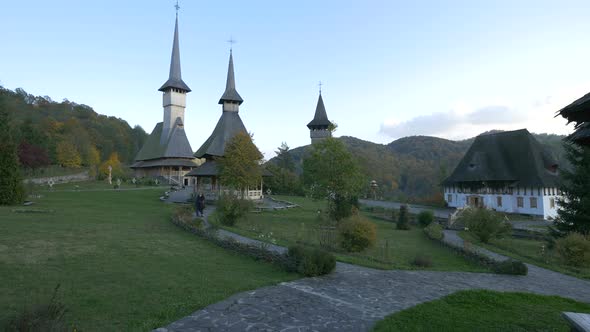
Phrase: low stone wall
x=61 y=179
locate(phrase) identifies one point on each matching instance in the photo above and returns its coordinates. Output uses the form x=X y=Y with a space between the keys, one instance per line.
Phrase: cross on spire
x=320 y=85
x=231 y=42
x=177 y=7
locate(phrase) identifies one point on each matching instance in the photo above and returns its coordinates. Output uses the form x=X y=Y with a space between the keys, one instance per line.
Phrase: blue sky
x=390 y=68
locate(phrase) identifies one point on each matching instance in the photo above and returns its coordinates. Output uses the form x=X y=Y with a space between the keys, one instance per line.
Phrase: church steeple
x=175 y=77
x=175 y=90
x=231 y=98
x=319 y=127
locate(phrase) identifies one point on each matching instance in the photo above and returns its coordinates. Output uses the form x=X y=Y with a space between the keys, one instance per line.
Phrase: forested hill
x=67 y=133
x=412 y=167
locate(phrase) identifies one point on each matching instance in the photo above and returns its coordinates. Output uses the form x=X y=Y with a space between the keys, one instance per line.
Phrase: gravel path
x=354 y=298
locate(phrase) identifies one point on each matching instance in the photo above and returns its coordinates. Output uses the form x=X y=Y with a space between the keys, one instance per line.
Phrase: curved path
x=354 y=298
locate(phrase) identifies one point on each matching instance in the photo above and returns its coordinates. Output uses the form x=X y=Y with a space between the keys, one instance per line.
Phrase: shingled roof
x=176 y=146
x=175 y=77
x=320 y=120
x=513 y=157
x=227 y=127
x=230 y=94
x=579 y=112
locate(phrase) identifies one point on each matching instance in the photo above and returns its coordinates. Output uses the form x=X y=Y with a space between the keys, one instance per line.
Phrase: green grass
x=121 y=264
x=394 y=249
x=485 y=311
x=530 y=251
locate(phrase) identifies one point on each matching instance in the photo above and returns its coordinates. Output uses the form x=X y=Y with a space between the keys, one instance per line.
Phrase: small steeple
x=320 y=120
x=175 y=77
x=230 y=95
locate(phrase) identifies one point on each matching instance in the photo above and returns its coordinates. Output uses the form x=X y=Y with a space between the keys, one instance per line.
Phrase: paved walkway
x=354 y=298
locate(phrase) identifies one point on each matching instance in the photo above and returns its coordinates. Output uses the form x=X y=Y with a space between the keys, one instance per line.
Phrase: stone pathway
x=354 y=298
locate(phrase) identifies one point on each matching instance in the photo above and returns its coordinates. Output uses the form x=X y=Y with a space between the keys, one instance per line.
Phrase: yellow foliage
x=114 y=162
x=68 y=155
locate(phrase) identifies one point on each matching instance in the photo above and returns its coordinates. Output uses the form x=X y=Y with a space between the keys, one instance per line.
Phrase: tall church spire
x=175 y=77
x=230 y=95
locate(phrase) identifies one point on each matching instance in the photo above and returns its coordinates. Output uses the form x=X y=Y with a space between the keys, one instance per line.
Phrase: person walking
x=200 y=204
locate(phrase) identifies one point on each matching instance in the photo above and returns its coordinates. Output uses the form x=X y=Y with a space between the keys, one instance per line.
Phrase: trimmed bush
x=403 y=222
x=574 y=249
x=434 y=231
x=357 y=233
x=425 y=218
x=511 y=267
x=485 y=224
x=422 y=260
x=230 y=209
x=310 y=262
x=184 y=214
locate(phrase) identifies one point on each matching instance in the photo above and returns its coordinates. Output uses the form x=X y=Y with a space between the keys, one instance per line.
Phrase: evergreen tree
x=284 y=158
x=402 y=222
x=11 y=186
x=574 y=208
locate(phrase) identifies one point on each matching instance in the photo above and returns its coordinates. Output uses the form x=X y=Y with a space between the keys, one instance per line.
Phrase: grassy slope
x=529 y=250
x=121 y=264
x=485 y=311
x=289 y=226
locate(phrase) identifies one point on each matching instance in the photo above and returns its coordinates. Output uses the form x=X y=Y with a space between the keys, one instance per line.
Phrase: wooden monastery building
x=167 y=153
x=508 y=172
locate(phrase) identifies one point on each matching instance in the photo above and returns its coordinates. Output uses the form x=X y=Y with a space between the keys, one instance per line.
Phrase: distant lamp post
x=374 y=187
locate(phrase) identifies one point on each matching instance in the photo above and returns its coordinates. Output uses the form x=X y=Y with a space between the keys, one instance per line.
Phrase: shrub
x=403 y=219
x=41 y=317
x=574 y=249
x=425 y=218
x=484 y=224
x=422 y=260
x=184 y=214
x=434 y=231
x=511 y=267
x=357 y=233
x=230 y=209
x=310 y=262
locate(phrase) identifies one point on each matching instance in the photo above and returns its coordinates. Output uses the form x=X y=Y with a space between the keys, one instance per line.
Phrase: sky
x=389 y=69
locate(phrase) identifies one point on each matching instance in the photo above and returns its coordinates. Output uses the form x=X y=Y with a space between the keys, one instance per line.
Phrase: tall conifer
x=574 y=208
x=11 y=186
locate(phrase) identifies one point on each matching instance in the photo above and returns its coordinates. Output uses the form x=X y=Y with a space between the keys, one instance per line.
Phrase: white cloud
x=463 y=121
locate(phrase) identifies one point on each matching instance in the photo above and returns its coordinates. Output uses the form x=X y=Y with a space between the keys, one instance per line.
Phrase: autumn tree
x=331 y=172
x=68 y=155
x=32 y=156
x=117 y=169
x=240 y=167
x=92 y=160
x=11 y=187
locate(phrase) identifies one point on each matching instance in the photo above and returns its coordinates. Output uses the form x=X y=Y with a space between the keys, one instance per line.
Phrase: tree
x=32 y=156
x=11 y=187
x=331 y=172
x=67 y=155
x=240 y=167
x=117 y=169
x=403 y=220
x=284 y=180
x=92 y=160
x=574 y=207
x=284 y=158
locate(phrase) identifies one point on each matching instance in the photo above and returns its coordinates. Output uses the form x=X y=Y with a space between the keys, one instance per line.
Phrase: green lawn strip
x=121 y=263
x=394 y=249
x=529 y=251
x=479 y=310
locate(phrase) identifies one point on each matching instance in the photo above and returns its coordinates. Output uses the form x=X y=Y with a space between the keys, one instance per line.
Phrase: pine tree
x=11 y=186
x=574 y=208
x=402 y=222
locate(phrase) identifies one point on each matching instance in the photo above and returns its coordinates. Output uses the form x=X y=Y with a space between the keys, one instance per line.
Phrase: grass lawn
x=485 y=311
x=529 y=250
x=121 y=264
x=394 y=249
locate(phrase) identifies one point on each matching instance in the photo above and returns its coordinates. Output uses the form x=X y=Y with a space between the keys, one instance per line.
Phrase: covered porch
x=206 y=181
